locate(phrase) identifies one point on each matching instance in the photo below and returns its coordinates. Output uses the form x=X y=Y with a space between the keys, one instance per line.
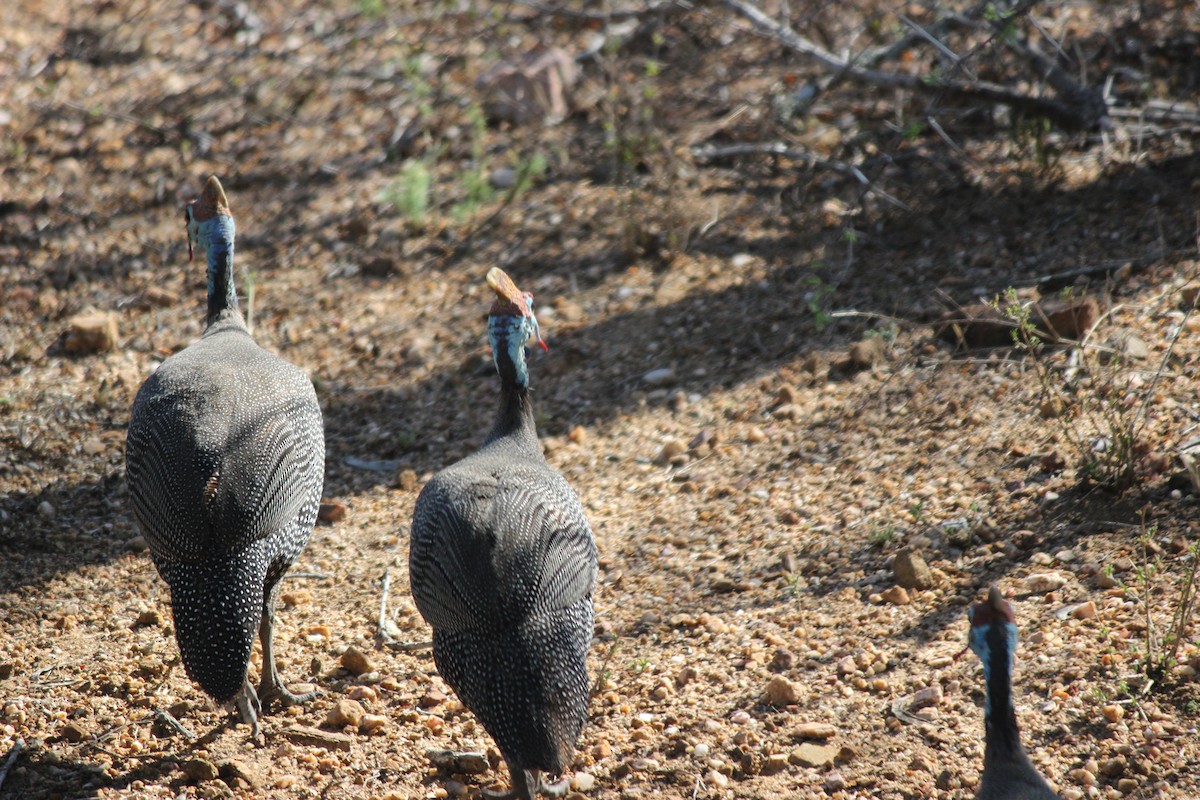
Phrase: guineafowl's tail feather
x=217 y=607
x=528 y=686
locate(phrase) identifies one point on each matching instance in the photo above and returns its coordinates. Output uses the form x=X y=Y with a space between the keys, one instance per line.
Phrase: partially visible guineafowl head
x=993 y=635
x=511 y=327
x=210 y=227
x=210 y=223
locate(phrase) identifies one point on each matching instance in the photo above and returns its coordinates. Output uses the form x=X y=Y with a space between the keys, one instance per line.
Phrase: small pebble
x=659 y=377
x=199 y=770
x=1082 y=776
x=148 y=617
x=355 y=661
x=1112 y=712
x=362 y=693
x=1084 y=610
x=331 y=511
x=929 y=696
x=815 y=730
x=812 y=755
x=583 y=782
x=739 y=717
x=406 y=479
x=897 y=595
x=91 y=332
x=782 y=692
x=775 y=762
x=1044 y=582
x=345 y=712
x=373 y=722
x=701 y=751
x=911 y=571
x=298 y=597
x=670 y=450
x=716 y=779
x=503 y=178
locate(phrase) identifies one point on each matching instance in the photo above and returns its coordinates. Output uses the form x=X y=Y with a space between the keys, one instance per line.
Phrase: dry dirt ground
x=744 y=386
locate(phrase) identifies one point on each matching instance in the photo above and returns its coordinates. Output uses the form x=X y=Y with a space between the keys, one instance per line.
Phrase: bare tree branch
x=1078 y=112
x=711 y=152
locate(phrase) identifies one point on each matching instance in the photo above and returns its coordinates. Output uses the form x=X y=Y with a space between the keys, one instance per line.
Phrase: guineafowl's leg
x=524 y=786
x=270 y=687
x=557 y=789
x=250 y=707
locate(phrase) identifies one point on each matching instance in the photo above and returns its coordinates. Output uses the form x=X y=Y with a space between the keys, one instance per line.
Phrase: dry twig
x=711 y=152
x=13 y=753
x=1081 y=108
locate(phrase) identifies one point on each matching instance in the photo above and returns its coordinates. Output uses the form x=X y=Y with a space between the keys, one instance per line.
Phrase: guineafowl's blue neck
x=998 y=642
x=508 y=335
x=222 y=292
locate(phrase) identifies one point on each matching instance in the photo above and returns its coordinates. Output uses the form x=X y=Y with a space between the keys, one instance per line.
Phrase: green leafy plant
x=477 y=187
x=410 y=193
x=816 y=299
x=1091 y=402
x=882 y=535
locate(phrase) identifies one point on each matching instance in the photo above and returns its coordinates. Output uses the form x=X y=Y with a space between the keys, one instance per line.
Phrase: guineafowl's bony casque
x=225 y=461
x=1008 y=774
x=502 y=565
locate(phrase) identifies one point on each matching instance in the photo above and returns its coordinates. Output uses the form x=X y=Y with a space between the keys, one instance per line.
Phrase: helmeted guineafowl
x=1008 y=774
x=225 y=461
x=502 y=565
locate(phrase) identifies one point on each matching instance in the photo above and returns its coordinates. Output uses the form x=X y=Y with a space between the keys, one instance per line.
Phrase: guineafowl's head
x=512 y=326
x=993 y=635
x=210 y=225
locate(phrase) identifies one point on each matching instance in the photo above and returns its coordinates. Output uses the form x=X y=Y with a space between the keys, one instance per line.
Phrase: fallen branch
x=1077 y=113
x=387 y=585
x=615 y=15
x=13 y=753
x=407 y=647
x=168 y=719
x=713 y=152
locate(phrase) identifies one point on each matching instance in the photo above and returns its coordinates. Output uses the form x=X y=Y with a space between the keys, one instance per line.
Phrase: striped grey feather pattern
x=497 y=541
x=533 y=694
x=502 y=565
x=225 y=462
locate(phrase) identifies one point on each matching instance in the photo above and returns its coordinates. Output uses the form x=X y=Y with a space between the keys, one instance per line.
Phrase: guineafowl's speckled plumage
x=1008 y=774
x=502 y=566
x=225 y=459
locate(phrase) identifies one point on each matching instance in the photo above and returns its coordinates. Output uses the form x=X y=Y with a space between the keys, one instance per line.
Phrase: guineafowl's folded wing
x=210 y=471
x=493 y=548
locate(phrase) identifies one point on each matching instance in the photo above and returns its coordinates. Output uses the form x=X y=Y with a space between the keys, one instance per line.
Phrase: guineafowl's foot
x=557 y=789
x=268 y=693
x=250 y=706
x=270 y=687
x=527 y=785
x=522 y=787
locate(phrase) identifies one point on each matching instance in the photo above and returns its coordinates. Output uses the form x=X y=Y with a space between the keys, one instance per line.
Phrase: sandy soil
x=745 y=386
